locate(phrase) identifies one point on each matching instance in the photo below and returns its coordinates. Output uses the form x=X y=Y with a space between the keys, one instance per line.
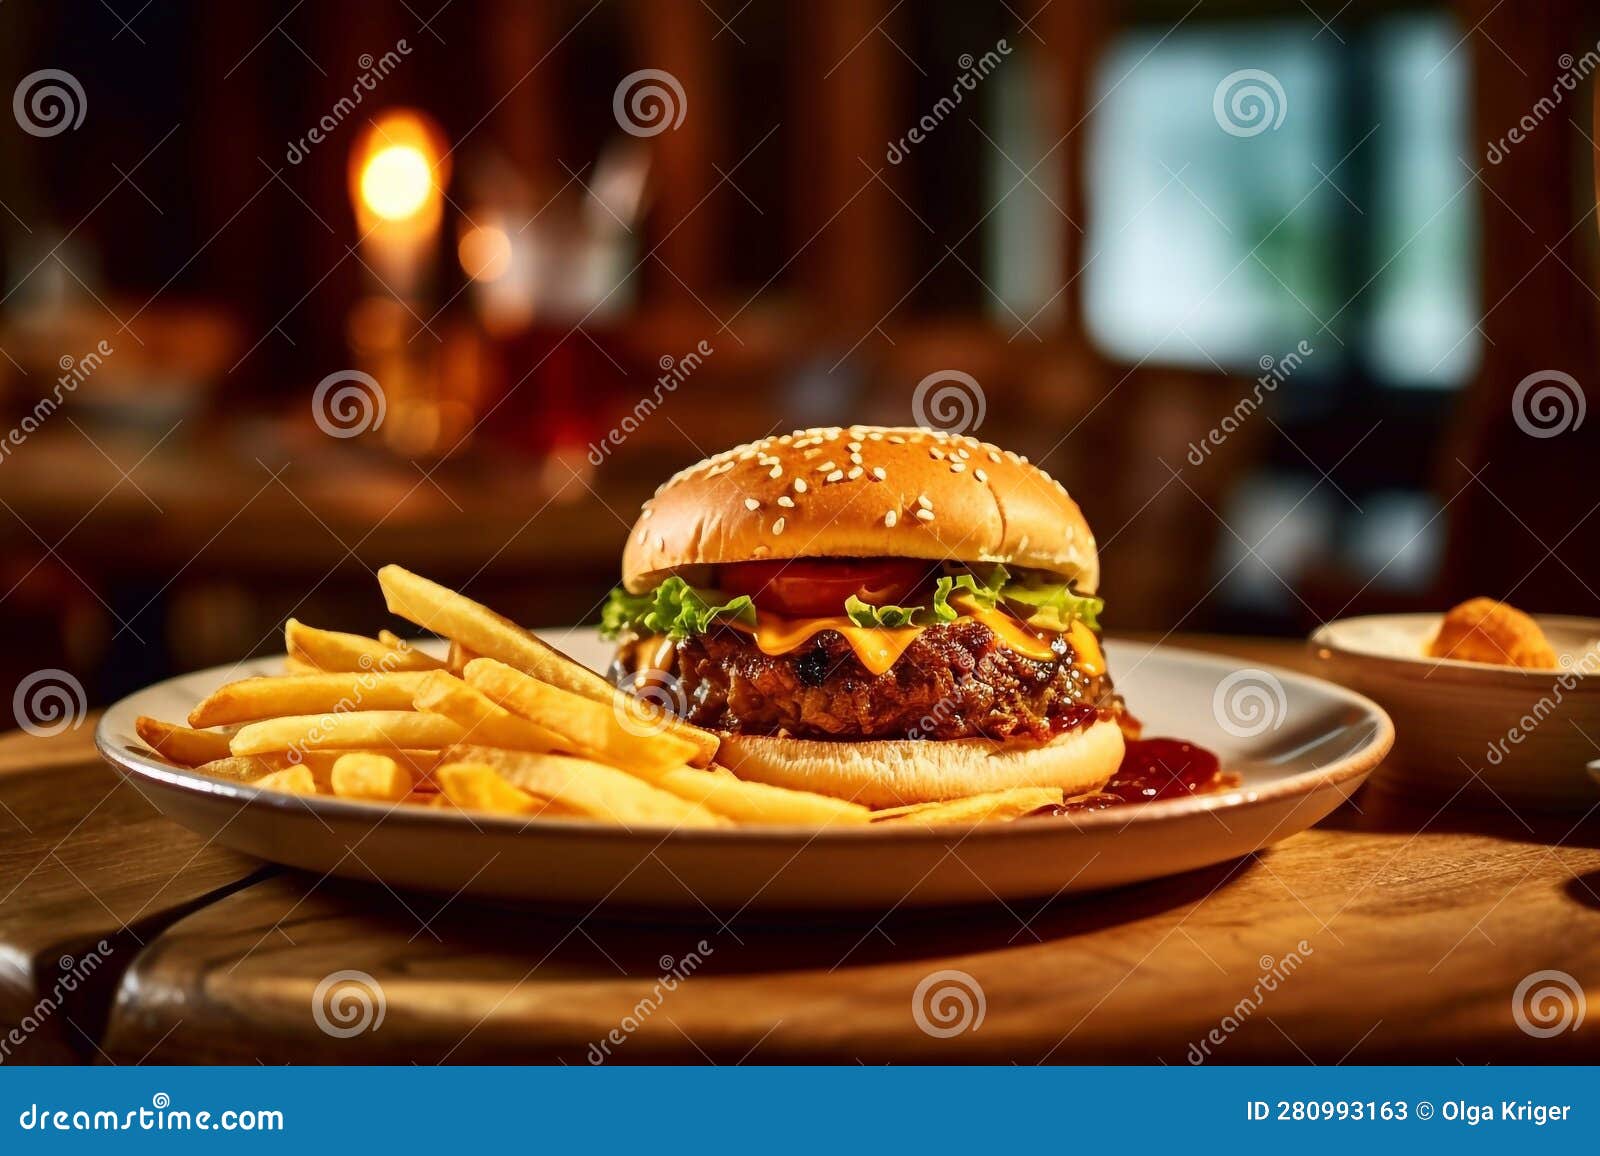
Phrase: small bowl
x=1471 y=731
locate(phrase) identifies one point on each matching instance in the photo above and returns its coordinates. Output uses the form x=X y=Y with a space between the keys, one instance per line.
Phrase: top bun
x=861 y=492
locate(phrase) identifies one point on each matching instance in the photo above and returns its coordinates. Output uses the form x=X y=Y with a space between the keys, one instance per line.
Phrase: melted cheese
x=880 y=647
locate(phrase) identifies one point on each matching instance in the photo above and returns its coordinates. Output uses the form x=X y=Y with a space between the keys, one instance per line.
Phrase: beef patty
x=957 y=680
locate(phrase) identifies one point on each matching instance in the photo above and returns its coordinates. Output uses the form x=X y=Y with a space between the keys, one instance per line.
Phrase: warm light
x=399 y=168
x=397 y=182
x=485 y=252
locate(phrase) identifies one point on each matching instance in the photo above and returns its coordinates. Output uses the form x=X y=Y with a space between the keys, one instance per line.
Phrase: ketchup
x=1152 y=769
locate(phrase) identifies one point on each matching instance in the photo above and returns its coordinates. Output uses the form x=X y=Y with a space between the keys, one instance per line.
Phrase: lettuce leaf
x=674 y=608
x=866 y=614
x=985 y=591
x=1054 y=605
x=679 y=611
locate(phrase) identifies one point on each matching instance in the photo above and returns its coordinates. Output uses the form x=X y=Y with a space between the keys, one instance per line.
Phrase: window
x=1253 y=184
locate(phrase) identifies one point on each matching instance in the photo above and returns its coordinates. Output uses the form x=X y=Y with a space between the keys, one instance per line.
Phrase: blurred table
x=1418 y=927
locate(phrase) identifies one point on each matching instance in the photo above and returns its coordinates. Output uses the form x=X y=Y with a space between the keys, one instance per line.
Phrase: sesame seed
x=751 y=504
x=799 y=485
x=957 y=467
x=641 y=535
x=661 y=543
x=879 y=473
x=922 y=500
x=890 y=518
x=854 y=447
x=936 y=454
x=963 y=455
x=980 y=475
x=855 y=459
x=924 y=515
x=855 y=473
x=896 y=440
x=994 y=455
x=825 y=467
x=647 y=512
x=777 y=472
x=836 y=475
x=786 y=502
x=777 y=527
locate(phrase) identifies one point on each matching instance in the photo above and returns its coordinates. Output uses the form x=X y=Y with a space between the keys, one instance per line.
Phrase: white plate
x=1300 y=745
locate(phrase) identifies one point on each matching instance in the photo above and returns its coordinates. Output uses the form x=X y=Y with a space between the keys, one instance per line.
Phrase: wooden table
x=1410 y=930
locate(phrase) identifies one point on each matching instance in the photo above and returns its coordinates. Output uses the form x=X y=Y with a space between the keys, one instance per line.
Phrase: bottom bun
x=890 y=773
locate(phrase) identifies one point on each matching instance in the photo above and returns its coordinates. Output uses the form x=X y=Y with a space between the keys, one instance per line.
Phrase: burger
x=886 y=615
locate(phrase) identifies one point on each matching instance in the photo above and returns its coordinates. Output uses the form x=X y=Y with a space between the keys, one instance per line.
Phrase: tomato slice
x=818 y=587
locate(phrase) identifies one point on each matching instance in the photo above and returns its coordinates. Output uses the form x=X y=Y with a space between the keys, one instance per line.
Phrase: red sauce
x=1153 y=769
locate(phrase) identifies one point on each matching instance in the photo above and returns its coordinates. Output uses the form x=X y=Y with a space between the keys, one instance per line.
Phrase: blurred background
x=1296 y=298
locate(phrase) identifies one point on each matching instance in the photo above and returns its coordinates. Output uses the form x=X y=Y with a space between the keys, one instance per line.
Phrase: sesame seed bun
x=856 y=492
x=890 y=773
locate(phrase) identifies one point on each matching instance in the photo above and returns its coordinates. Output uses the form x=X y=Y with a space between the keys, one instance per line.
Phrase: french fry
x=251 y=699
x=480 y=718
x=295 y=780
x=592 y=789
x=180 y=744
x=353 y=730
x=362 y=775
x=392 y=640
x=240 y=770
x=476 y=627
x=756 y=803
x=457 y=657
x=992 y=807
x=595 y=730
x=336 y=650
x=320 y=763
x=478 y=787
x=293 y=665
